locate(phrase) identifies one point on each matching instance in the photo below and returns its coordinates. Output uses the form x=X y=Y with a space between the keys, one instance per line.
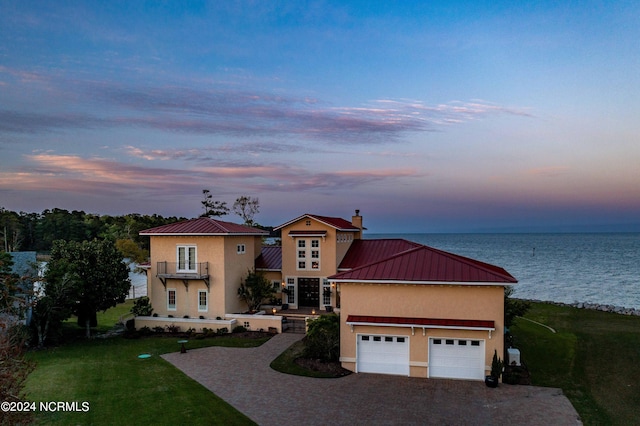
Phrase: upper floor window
x=186 y=259
x=308 y=249
x=241 y=249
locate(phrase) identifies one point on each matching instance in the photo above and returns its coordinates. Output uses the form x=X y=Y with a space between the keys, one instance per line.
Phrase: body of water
x=594 y=268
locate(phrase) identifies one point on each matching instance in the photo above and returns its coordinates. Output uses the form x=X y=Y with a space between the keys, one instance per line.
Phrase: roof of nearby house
x=335 y=222
x=363 y=252
x=426 y=265
x=203 y=226
x=270 y=258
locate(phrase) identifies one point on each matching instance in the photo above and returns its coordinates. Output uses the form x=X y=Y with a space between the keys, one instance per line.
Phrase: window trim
x=241 y=249
x=175 y=299
x=206 y=299
x=187 y=258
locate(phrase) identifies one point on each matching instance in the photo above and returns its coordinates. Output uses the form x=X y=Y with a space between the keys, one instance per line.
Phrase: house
x=405 y=308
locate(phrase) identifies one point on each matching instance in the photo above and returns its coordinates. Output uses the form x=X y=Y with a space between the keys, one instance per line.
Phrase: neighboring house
x=25 y=267
x=405 y=308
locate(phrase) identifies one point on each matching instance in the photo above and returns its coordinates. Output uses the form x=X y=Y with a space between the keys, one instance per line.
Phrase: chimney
x=356 y=220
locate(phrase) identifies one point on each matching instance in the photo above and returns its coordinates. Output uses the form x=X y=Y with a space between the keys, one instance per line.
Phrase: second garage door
x=383 y=354
x=456 y=358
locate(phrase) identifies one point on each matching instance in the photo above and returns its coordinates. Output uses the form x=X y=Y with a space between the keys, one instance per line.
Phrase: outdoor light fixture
x=313 y=311
x=273 y=310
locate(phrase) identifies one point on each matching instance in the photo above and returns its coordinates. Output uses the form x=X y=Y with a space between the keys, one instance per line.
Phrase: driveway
x=243 y=378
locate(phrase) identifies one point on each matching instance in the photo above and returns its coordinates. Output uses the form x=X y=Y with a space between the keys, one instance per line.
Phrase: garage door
x=456 y=358
x=383 y=354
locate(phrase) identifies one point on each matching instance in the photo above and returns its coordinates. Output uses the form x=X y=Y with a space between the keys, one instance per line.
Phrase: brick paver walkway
x=243 y=378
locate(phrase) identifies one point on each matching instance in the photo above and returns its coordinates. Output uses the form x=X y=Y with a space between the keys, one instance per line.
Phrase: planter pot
x=491 y=381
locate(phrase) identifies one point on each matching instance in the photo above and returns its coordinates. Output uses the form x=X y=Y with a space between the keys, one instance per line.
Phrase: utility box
x=513 y=355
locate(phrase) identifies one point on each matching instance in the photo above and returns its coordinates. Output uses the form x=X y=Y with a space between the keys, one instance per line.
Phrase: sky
x=448 y=116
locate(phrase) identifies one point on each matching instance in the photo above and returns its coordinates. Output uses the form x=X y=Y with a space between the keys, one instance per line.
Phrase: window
x=276 y=285
x=171 y=299
x=449 y=341
x=326 y=292
x=475 y=343
x=376 y=338
x=388 y=339
x=365 y=338
x=202 y=301
x=291 y=297
x=186 y=259
x=400 y=339
x=247 y=325
x=462 y=343
x=241 y=249
x=308 y=223
x=308 y=249
x=437 y=341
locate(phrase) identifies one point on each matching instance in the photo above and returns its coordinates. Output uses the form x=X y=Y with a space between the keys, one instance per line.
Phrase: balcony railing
x=169 y=270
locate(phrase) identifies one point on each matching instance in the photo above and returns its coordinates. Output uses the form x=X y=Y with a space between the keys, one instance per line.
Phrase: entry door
x=309 y=292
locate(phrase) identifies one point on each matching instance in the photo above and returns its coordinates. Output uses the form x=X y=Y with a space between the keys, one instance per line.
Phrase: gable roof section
x=426 y=265
x=270 y=259
x=203 y=226
x=335 y=222
x=364 y=252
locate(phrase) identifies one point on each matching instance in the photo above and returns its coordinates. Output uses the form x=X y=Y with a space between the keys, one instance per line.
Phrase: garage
x=383 y=354
x=456 y=358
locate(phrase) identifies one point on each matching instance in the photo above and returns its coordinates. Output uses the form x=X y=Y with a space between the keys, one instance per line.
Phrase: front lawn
x=594 y=357
x=124 y=389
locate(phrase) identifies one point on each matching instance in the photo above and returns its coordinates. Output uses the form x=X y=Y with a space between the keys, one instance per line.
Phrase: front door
x=309 y=292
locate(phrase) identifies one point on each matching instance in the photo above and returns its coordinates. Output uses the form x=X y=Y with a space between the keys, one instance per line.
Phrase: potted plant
x=496 y=371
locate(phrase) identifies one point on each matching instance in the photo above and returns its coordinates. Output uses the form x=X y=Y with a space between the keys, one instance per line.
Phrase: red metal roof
x=335 y=222
x=426 y=264
x=203 y=226
x=270 y=258
x=433 y=322
x=363 y=252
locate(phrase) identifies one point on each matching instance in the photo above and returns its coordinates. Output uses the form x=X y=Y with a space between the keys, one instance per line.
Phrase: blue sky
x=426 y=116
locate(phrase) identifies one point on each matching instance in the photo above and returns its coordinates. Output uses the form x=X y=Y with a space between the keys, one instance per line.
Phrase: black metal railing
x=171 y=269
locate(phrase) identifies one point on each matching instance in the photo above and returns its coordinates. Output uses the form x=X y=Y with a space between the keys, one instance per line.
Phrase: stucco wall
x=421 y=301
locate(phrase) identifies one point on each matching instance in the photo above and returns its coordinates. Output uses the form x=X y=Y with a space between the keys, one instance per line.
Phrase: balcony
x=169 y=270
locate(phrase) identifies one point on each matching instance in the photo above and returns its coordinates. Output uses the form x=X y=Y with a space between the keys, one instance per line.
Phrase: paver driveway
x=243 y=378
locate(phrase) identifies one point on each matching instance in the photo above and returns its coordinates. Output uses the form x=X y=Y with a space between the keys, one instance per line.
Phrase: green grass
x=594 y=357
x=123 y=389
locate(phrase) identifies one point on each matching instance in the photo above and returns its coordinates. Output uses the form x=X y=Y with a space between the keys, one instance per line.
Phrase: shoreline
x=621 y=310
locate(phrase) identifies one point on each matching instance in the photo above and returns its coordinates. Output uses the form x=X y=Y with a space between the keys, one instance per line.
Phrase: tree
x=323 y=338
x=212 y=207
x=254 y=289
x=246 y=207
x=54 y=307
x=513 y=307
x=98 y=275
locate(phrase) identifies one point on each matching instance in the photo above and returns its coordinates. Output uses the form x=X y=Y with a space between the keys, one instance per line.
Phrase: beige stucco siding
x=226 y=268
x=421 y=301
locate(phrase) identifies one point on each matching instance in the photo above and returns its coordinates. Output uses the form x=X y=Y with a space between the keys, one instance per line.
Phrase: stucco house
x=404 y=308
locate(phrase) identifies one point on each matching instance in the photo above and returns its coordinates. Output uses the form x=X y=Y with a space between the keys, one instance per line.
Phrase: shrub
x=239 y=329
x=145 y=331
x=173 y=329
x=201 y=317
x=142 y=307
x=323 y=338
x=158 y=329
x=223 y=330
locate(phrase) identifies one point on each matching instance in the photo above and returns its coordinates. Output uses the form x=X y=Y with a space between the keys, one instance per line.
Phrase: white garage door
x=456 y=358
x=383 y=354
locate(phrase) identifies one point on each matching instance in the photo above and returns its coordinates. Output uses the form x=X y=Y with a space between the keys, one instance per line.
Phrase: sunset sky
x=427 y=116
